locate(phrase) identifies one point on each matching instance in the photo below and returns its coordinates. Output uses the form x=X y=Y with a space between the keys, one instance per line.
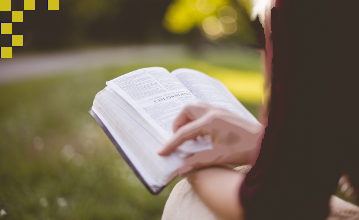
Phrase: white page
x=158 y=97
x=131 y=111
x=212 y=91
x=240 y=109
x=137 y=139
x=155 y=94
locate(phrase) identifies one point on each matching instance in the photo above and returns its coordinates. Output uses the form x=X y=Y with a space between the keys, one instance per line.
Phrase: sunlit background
x=55 y=161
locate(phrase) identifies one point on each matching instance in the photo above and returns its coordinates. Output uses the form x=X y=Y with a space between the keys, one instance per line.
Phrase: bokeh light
x=205 y=7
x=213 y=27
x=217 y=19
x=227 y=14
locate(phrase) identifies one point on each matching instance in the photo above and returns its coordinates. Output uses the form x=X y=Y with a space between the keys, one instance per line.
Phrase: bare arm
x=218 y=189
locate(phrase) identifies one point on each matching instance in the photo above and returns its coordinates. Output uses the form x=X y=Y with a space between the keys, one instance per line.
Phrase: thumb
x=186 y=171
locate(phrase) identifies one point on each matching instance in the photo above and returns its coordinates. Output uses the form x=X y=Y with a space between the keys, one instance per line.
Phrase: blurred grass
x=57 y=163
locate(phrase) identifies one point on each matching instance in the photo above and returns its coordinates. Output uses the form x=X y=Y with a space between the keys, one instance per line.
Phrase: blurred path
x=22 y=67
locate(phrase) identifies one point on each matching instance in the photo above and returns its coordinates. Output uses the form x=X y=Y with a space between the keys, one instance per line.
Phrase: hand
x=233 y=138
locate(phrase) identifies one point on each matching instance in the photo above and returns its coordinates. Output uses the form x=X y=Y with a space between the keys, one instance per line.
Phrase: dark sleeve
x=309 y=134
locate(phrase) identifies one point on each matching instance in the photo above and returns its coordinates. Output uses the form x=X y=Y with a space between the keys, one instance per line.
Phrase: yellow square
x=17 y=16
x=6 y=52
x=29 y=4
x=17 y=40
x=6 y=28
x=53 y=5
x=5 y=5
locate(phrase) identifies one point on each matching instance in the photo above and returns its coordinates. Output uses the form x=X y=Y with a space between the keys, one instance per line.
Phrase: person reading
x=311 y=136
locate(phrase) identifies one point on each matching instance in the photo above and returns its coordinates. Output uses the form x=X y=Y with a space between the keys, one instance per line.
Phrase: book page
x=158 y=97
x=212 y=91
x=118 y=100
x=241 y=110
x=155 y=94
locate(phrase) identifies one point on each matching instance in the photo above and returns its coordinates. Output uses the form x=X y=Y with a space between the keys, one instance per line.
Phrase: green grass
x=40 y=178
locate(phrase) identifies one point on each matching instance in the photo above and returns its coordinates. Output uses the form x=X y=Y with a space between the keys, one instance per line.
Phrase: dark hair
x=315 y=81
x=312 y=133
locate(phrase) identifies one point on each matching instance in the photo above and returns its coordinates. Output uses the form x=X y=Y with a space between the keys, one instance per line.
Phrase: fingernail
x=159 y=151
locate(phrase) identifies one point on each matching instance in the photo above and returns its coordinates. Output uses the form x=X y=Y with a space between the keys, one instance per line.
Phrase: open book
x=136 y=111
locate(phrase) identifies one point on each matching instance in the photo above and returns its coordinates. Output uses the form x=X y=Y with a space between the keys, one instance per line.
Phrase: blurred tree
x=88 y=22
x=86 y=13
x=90 y=10
x=217 y=19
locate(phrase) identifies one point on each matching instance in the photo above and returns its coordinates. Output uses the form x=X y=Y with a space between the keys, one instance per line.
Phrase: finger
x=189 y=113
x=188 y=156
x=203 y=104
x=185 y=171
x=205 y=160
x=182 y=119
x=186 y=132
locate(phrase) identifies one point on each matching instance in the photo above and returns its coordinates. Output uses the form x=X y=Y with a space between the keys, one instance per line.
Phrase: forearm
x=218 y=188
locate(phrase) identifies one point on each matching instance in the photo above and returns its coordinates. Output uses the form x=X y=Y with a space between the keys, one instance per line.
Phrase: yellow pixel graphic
x=18 y=16
x=5 y=5
x=29 y=4
x=53 y=5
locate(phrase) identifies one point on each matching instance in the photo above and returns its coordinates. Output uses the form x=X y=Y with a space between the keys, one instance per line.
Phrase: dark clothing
x=313 y=123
